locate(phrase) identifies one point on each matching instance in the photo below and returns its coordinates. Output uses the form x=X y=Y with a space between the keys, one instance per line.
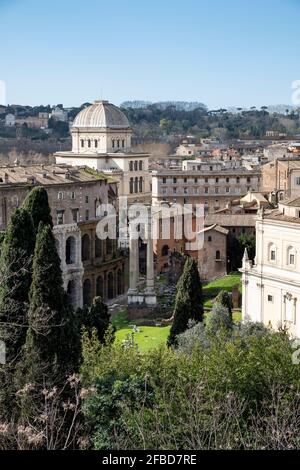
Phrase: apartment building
x=215 y=187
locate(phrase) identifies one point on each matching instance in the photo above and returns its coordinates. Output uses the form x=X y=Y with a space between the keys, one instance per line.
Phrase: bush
x=240 y=392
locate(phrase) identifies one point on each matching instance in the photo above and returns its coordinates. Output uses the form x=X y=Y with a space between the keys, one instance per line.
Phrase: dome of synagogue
x=101 y=114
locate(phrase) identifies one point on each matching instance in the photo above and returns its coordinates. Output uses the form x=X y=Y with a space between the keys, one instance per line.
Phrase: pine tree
x=15 y=275
x=224 y=299
x=188 y=301
x=36 y=203
x=53 y=340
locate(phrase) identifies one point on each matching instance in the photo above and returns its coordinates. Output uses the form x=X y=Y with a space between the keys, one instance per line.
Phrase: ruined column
x=133 y=258
x=150 y=297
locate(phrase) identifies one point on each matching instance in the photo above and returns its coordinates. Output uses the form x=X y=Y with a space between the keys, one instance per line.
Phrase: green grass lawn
x=211 y=290
x=150 y=337
x=147 y=337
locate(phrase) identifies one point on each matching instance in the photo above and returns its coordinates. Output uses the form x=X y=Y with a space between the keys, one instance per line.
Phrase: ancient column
x=150 y=297
x=150 y=268
x=133 y=258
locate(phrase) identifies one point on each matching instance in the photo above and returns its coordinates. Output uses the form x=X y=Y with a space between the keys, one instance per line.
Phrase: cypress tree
x=188 y=301
x=224 y=299
x=97 y=316
x=36 y=202
x=53 y=340
x=15 y=273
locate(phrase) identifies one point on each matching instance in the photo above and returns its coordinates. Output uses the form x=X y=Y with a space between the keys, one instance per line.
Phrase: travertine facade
x=75 y=196
x=271 y=284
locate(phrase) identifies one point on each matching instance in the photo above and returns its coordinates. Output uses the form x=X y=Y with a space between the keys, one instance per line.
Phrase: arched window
x=118 y=143
x=110 y=286
x=218 y=255
x=70 y=250
x=85 y=248
x=82 y=142
x=141 y=185
x=291 y=256
x=71 y=291
x=136 y=165
x=87 y=292
x=136 y=184
x=165 y=250
x=272 y=252
x=89 y=143
x=140 y=164
x=109 y=246
x=99 y=287
x=131 y=186
x=98 y=247
x=123 y=143
x=131 y=166
x=120 y=282
x=96 y=143
x=113 y=143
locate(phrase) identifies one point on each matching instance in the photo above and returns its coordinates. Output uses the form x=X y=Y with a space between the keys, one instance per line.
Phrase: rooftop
x=47 y=175
x=231 y=220
x=294 y=202
x=277 y=215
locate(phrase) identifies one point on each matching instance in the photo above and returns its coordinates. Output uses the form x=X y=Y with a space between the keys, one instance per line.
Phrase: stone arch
x=87 y=292
x=98 y=247
x=110 y=286
x=85 y=247
x=70 y=250
x=100 y=287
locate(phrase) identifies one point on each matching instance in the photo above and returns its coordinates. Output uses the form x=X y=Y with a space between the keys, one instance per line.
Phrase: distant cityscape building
x=59 y=114
x=10 y=120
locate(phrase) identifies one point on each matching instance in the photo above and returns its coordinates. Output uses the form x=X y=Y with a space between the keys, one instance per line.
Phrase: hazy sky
x=220 y=52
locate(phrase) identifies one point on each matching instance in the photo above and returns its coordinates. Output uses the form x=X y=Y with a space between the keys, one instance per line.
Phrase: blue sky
x=223 y=53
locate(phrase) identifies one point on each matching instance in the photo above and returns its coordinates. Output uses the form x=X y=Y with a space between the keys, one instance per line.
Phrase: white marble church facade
x=271 y=284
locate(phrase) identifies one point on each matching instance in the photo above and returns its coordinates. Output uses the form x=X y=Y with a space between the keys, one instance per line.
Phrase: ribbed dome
x=101 y=114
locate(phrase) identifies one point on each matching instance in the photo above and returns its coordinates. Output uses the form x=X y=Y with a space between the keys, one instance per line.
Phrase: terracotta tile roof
x=278 y=215
x=46 y=175
x=231 y=220
x=291 y=202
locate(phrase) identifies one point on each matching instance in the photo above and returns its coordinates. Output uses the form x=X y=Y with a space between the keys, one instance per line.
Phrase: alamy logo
x=2 y=353
x=296 y=354
x=2 y=93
